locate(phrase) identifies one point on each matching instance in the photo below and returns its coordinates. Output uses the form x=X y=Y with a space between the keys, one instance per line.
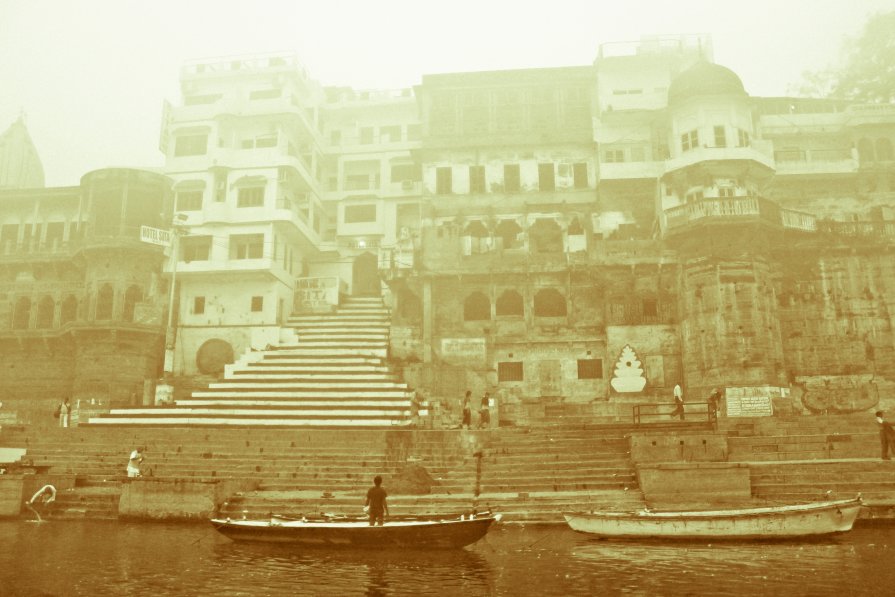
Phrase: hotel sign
x=155 y=236
x=316 y=294
x=461 y=351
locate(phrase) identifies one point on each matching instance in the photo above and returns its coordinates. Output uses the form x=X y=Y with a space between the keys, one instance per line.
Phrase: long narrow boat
x=417 y=534
x=803 y=520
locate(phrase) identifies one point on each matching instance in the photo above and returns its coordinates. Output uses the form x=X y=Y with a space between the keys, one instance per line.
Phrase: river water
x=158 y=559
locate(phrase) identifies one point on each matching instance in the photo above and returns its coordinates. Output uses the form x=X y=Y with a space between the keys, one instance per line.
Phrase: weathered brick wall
x=34 y=377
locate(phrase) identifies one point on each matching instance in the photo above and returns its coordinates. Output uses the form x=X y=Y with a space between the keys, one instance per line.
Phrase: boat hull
x=822 y=518
x=450 y=534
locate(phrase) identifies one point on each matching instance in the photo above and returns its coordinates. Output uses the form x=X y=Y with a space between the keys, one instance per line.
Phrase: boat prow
x=411 y=533
x=775 y=522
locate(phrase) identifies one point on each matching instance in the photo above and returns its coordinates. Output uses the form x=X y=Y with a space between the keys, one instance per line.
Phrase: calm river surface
x=97 y=558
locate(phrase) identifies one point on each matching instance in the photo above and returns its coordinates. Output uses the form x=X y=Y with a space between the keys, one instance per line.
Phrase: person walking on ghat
x=485 y=412
x=678 y=402
x=886 y=435
x=713 y=403
x=466 y=421
x=376 y=503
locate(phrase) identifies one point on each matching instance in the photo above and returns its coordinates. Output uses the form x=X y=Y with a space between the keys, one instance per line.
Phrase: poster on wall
x=316 y=294
x=751 y=401
x=463 y=350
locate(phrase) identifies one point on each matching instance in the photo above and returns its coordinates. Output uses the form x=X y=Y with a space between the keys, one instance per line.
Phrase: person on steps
x=134 y=463
x=466 y=421
x=886 y=435
x=678 y=402
x=376 y=503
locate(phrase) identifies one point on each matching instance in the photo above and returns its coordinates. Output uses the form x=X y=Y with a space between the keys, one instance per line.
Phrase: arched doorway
x=365 y=276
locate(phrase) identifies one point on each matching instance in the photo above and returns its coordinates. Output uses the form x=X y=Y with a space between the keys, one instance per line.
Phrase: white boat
x=802 y=520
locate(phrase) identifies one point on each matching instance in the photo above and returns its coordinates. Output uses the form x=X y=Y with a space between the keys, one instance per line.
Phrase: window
x=726 y=192
x=355 y=214
x=266 y=141
x=614 y=156
x=259 y=94
x=476 y=307
x=335 y=137
x=257 y=304
x=198 y=305
x=509 y=371
x=579 y=172
x=690 y=140
x=720 y=137
x=250 y=197
x=743 y=138
x=366 y=135
x=246 y=246
x=443 y=183
x=390 y=134
x=590 y=368
x=511 y=179
x=549 y=302
x=510 y=304
x=195 y=248
x=476 y=179
x=189 y=201
x=190 y=145
x=546 y=177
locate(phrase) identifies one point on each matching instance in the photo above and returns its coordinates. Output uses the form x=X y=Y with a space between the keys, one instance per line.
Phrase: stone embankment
x=530 y=475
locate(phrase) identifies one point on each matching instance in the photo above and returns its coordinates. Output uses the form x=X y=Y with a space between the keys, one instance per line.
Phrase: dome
x=705 y=78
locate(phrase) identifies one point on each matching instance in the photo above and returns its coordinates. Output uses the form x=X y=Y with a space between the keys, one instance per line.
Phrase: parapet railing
x=700 y=412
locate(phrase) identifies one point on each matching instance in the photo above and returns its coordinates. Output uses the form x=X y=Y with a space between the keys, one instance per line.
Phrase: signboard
x=751 y=401
x=155 y=236
x=316 y=294
x=463 y=350
x=164 y=394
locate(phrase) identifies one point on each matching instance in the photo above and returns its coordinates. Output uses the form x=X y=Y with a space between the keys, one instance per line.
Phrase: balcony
x=815 y=162
x=738 y=210
x=863 y=114
x=760 y=151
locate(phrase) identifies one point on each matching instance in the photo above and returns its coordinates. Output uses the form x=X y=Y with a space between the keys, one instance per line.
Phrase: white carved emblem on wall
x=628 y=375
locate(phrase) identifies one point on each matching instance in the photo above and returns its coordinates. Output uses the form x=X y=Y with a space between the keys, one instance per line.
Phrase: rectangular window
x=590 y=368
x=509 y=371
x=198 y=305
x=614 y=156
x=579 y=172
x=189 y=201
x=355 y=214
x=266 y=141
x=335 y=137
x=186 y=145
x=195 y=248
x=743 y=137
x=366 y=135
x=390 y=134
x=443 y=181
x=720 y=137
x=546 y=177
x=476 y=179
x=511 y=178
x=250 y=197
x=257 y=304
x=726 y=192
x=690 y=140
x=246 y=246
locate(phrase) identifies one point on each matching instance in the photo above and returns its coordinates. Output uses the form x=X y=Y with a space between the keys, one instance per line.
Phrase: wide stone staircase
x=333 y=373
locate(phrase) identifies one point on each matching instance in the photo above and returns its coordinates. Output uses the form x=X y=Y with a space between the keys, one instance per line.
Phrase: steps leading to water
x=335 y=375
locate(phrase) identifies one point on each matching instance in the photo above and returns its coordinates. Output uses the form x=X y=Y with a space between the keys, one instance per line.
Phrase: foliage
x=866 y=72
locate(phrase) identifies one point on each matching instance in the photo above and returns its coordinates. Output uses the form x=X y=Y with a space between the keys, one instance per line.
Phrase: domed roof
x=705 y=78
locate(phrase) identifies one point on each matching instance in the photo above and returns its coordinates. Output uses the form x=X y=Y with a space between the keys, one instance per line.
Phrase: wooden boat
x=334 y=532
x=803 y=520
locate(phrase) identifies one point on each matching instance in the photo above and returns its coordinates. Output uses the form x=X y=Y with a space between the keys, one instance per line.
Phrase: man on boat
x=376 y=502
x=886 y=435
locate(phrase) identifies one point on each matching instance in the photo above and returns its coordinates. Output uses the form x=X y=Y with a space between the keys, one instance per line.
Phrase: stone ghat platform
x=528 y=474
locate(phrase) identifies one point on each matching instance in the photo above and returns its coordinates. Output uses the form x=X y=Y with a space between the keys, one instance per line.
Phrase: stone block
x=11 y=495
x=176 y=499
x=703 y=483
x=701 y=447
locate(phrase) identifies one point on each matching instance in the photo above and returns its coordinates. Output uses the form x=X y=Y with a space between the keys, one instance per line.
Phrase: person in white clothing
x=678 y=402
x=133 y=465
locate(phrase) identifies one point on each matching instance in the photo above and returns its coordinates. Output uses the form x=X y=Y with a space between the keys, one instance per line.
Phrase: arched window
x=46 y=312
x=575 y=227
x=545 y=236
x=410 y=308
x=883 y=149
x=476 y=307
x=865 y=150
x=133 y=296
x=508 y=231
x=105 y=300
x=69 y=310
x=510 y=303
x=549 y=302
x=22 y=314
x=475 y=229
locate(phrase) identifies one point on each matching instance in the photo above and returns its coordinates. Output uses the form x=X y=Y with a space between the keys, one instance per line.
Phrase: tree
x=866 y=72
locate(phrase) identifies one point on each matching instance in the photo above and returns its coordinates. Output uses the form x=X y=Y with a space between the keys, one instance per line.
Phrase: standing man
x=134 y=463
x=678 y=402
x=466 y=421
x=376 y=503
x=713 y=403
x=886 y=435
x=64 y=413
x=485 y=412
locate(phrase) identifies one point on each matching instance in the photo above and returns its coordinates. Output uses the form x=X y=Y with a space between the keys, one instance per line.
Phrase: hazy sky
x=91 y=75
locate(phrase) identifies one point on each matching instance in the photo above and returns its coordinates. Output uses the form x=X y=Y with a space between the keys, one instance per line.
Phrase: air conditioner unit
x=407 y=185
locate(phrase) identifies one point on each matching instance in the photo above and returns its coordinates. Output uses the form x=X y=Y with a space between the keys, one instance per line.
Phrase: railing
x=860 y=229
x=797 y=220
x=746 y=208
x=238 y=63
x=812 y=155
x=700 y=412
